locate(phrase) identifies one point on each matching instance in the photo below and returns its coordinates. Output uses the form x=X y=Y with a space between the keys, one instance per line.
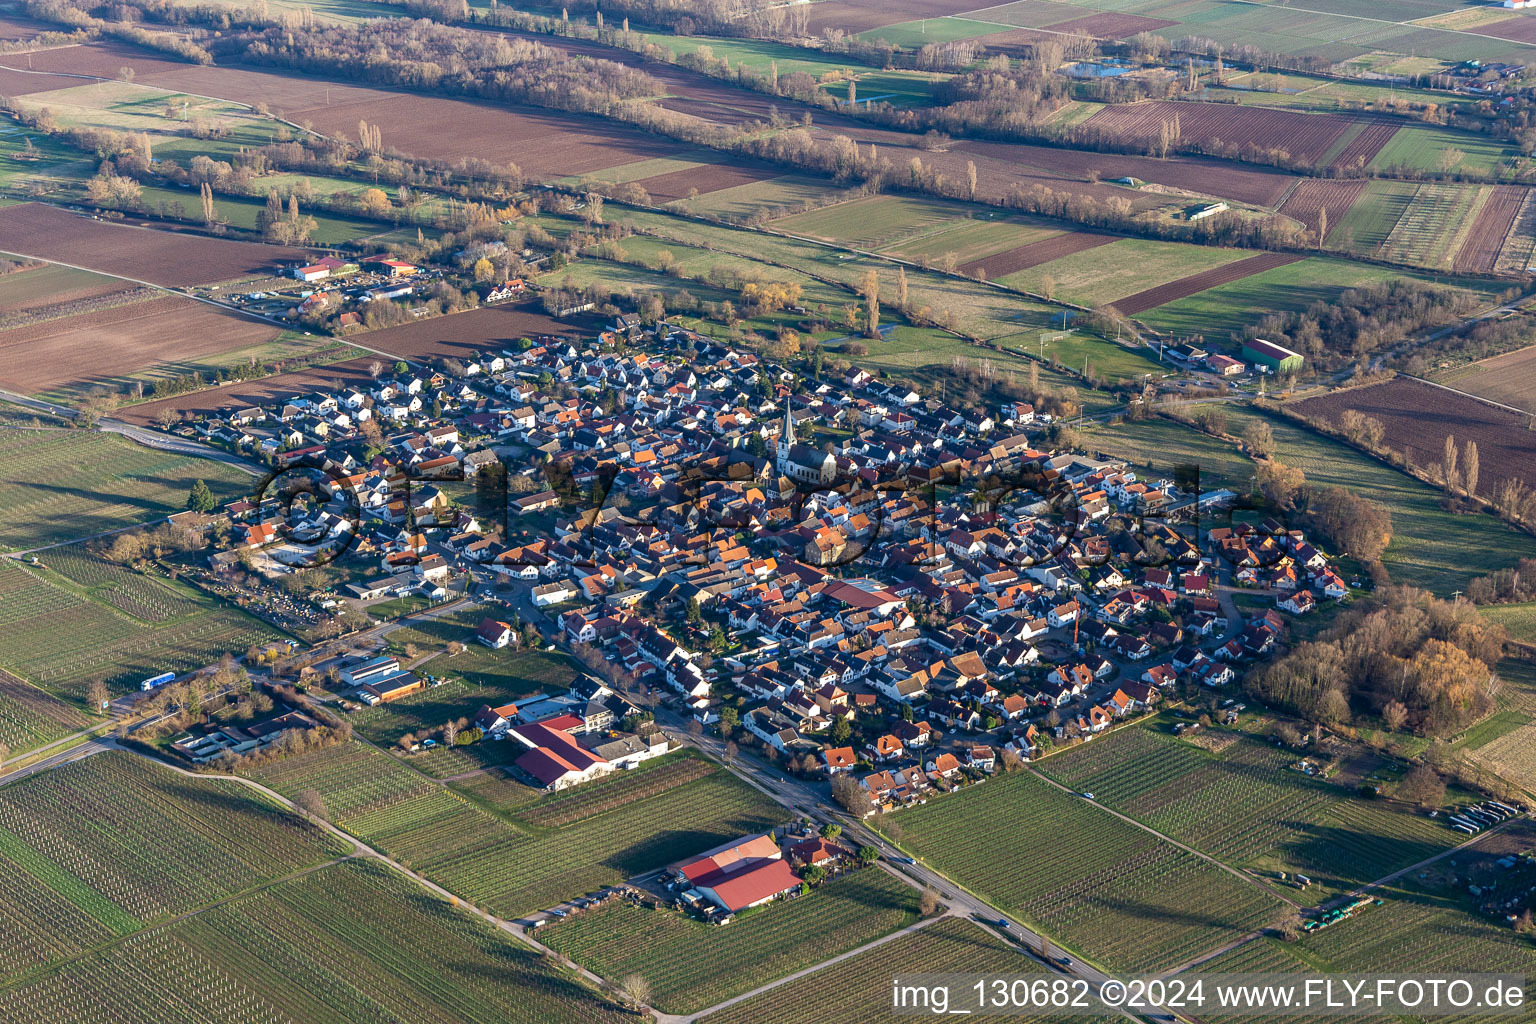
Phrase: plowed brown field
x=160 y=257
x=1197 y=283
x=1011 y=261
x=704 y=178
x=1521 y=28
x=101 y=347
x=256 y=392
x=1107 y=25
x=1364 y=147
x=1308 y=199
x=1305 y=136
x=464 y=334
x=1418 y=417
x=543 y=143
x=1481 y=249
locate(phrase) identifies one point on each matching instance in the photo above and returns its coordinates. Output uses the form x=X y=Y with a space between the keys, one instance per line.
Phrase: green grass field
x=37 y=285
x=872 y=222
x=1099 y=276
x=504 y=860
x=1432 y=148
x=916 y=34
x=1365 y=228
x=1158 y=445
x=1110 y=891
x=1248 y=808
x=691 y=965
x=131 y=626
x=1518 y=619
x=65 y=485
x=1107 y=359
x=1224 y=311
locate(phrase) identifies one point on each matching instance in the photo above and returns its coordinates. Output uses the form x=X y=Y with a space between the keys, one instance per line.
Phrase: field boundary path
x=805 y=971
x=1247 y=879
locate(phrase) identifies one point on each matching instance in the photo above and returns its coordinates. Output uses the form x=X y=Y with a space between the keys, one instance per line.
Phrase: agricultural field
x=1432 y=548
x=162 y=257
x=1304 y=137
x=1248 y=808
x=502 y=860
x=39 y=286
x=1353 y=31
x=137 y=626
x=691 y=965
x=1226 y=310
x=99 y=848
x=1104 y=274
x=166 y=119
x=974 y=308
x=1419 y=416
x=1435 y=225
x=1435 y=149
x=142 y=341
x=1113 y=893
x=1490 y=231
x=1183 y=287
x=1509 y=749
x=857 y=990
x=64 y=485
x=1371 y=217
x=1518 y=619
x=1509 y=379
x=1313 y=199
x=353 y=941
x=31 y=718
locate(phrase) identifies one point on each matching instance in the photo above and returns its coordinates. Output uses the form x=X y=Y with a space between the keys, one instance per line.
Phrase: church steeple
x=789 y=426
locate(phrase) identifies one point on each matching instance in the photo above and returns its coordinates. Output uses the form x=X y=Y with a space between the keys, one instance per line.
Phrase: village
x=856 y=580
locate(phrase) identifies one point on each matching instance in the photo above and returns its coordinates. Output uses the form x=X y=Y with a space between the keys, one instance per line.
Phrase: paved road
x=77 y=753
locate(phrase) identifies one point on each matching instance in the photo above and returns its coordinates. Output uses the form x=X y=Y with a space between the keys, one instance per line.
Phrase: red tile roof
x=741 y=889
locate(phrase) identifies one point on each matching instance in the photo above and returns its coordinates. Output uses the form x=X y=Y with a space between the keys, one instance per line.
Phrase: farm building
x=1275 y=358
x=739 y=875
x=1225 y=365
x=554 y=758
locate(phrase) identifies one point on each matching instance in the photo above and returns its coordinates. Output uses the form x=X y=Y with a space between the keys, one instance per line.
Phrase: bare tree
x=928 y=903
x=375 y=368
x=636 y=990
x=313 y=804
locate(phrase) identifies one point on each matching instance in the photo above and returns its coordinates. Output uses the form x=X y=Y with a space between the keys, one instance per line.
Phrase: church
x=802 y=463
